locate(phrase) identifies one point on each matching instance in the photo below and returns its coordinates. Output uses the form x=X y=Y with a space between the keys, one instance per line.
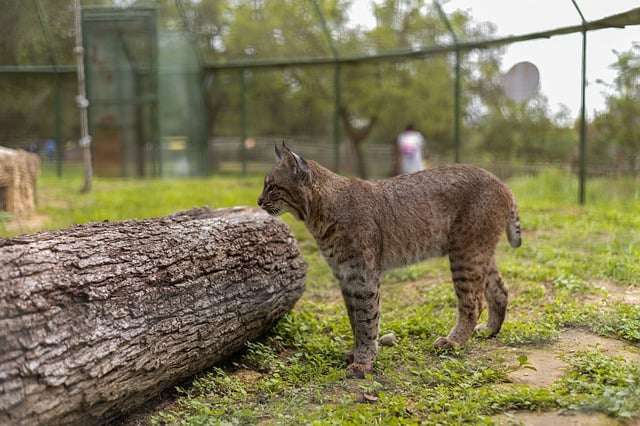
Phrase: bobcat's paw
x=444 y=343
x=357 y=371
x=348 y=356
x=483 y=331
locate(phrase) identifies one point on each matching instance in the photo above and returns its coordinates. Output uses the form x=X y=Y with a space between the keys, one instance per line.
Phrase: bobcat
x=364 y=227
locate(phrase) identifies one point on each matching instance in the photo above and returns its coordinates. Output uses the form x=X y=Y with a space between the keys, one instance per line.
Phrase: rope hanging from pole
x=82 y=102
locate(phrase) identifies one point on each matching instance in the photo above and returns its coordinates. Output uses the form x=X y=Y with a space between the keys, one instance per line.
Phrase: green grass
x=574 y=264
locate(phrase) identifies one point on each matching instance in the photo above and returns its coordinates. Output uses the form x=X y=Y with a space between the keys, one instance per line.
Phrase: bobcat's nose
x=260 y=200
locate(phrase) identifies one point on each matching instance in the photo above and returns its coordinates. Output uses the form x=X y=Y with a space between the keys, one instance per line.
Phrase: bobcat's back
x=417 y=216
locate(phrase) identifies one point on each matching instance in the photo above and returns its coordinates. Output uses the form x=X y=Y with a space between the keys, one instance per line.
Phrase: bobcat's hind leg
x=469 y=280
x=497 y=295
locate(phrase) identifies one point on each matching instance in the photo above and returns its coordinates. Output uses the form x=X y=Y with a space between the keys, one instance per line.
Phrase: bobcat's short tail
x=513 y=225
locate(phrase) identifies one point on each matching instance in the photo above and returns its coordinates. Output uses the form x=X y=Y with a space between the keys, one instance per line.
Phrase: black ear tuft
x=287 y=149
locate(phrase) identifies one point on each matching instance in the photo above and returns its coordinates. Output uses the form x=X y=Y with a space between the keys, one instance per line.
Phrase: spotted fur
x=364 y=227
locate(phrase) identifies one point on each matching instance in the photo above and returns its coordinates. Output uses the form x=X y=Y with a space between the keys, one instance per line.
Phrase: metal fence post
x=583 y=112
x=456 y=100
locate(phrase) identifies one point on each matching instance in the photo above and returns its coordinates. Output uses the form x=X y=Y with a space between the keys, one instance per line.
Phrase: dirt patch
x=554 y=419
x=629 y=295
x=248 y=377
x=549 y=368
x=547 y=363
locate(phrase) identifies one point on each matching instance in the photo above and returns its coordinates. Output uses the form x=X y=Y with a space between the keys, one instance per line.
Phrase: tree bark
x=98 y=318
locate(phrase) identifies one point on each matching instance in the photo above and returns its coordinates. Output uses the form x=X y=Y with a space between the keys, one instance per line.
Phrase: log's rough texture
x=98 y=318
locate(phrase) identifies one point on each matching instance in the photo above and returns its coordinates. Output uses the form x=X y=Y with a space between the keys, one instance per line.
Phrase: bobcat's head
x=287 y=186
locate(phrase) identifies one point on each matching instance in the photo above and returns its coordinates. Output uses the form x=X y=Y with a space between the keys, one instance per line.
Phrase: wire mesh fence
x=191 y=88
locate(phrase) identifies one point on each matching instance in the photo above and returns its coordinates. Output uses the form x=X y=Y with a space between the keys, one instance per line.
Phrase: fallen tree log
x=98 y=318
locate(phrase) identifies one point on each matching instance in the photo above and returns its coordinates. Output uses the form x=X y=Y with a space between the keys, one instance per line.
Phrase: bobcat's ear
x=279 y=152
x=295 y=163
x=302 y=167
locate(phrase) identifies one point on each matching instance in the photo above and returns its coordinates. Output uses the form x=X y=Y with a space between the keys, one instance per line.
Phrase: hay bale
x=19 y=171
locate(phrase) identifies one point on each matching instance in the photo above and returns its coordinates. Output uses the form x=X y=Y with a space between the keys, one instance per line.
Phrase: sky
x=558 y=59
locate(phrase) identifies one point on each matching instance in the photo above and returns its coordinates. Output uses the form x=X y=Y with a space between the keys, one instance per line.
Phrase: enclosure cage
x=121 y=65
x=182 y=88
x=147 y=110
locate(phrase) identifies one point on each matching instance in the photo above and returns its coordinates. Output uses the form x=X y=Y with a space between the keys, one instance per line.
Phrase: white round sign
x=521 y=82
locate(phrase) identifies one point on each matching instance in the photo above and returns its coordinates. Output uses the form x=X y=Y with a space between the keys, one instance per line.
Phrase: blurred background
x=198 y=87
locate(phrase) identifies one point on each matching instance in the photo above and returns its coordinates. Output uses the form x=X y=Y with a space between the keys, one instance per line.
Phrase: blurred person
x=50 y=149
x=410 y=145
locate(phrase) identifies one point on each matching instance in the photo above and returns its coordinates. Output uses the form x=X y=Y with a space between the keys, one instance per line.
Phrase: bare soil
x=549 y=367
x=547 y=363
x=555 y=419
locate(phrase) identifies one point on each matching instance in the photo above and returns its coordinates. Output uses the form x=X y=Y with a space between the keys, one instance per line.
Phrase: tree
x=392 y=93
x=417 y=90
x=525 y=131
x=28 y=113
x=506 y=130
x=377 y=99
x=278 y=102
x=620 y=123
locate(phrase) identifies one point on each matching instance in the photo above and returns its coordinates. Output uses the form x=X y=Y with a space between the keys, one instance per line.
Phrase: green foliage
x=5 y=216
x=601 y=382
x=297 y=101
x=528 y=132
x=618 y=126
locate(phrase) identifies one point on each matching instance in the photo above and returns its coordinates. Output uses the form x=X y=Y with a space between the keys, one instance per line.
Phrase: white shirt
x=410 y=143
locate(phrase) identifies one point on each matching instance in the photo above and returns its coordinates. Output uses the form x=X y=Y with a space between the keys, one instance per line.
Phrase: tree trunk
x=357 y=135
x=98 y=318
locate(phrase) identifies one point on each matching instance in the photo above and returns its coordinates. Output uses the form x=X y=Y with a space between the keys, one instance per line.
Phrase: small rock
x=388 y=339
x=370 y=399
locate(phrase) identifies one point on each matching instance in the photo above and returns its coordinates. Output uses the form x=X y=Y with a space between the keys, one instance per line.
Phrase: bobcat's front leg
x=362 y=300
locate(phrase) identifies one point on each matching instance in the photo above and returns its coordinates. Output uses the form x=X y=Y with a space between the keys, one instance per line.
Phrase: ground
x=549 y=368
x=568 y=353
x=544 y=366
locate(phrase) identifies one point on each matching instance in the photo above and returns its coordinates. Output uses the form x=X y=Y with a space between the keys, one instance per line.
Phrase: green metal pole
x=336 y=83
x=154 y=57
x=44 y=23
x=336 y=118
x=583 y=123
x=456 y=100
x=456 y=110
x=583 y=111
x=58 y=131
x=243 y=132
